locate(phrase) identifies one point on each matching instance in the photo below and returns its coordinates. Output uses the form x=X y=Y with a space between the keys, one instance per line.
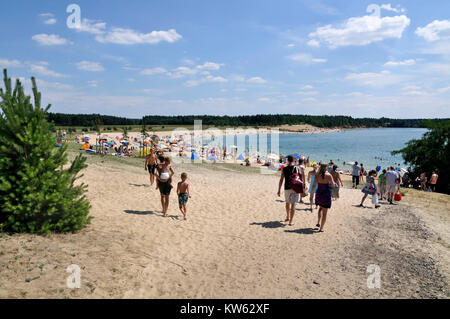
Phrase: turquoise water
x=361 y=145
x=372 y=147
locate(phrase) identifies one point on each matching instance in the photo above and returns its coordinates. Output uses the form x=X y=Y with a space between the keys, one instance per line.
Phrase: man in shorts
x=392 y=183
x=433 y=181
x=356 y=171
x=290 y=196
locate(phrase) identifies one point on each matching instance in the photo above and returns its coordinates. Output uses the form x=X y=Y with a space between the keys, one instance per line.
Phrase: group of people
x=324 y=182
x=161 y=173
x=428 y=185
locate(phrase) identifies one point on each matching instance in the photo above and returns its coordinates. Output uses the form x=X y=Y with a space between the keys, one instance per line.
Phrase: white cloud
x=50 y=21
x=257 y=80
x=183 y=71
x=307 y=87
x=309 y=100
x=443 y=90
x=5 y=63
x=207 y=79
x=49 y=39
x=92 y=27
x=411 y=88
x=400 y=63
x=314 y=43
x=93 y=83
x=416 y=93
x=435 y=30
x=53 y=85
x=361 y=31
x=46 y=15
x=374 y=79
x=355 y=94
x=41 y=69
x=90 y=66
x=265 y=100
x=130 y=37
x=388 y=7
x=126 y=36
x=157 y=70
x=307 y=93
x=209 y=66
x=305 y=58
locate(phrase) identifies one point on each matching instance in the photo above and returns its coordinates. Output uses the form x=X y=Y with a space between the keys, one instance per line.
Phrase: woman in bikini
x=165 y=173
x=323 y=181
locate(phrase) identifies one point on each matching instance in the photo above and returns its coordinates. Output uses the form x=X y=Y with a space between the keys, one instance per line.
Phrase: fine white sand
x=233 y=245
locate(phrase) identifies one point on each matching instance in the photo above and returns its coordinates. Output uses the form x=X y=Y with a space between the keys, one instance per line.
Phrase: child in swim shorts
x=183 y=194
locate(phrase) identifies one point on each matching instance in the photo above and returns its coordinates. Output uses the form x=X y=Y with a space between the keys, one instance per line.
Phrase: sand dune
x=234 y=245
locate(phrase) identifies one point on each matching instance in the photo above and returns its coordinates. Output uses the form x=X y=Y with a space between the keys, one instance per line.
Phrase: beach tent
x=212 y=158
x=241 y=157
x=194 y=156
x=273 y=156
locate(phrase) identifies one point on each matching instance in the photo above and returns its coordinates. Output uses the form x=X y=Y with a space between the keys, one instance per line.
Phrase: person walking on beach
x=290 y=196
x=323 y=181
x=423 y=181
x=356 y=170
x=338 y=181
x=382 y=184
x=311 y=177
x=184 y=194
x=165 y=173
x=370 y=189
x=150 y=165
x=362 y=173
x=433 y=181
x=302 y=169
x=392 y=182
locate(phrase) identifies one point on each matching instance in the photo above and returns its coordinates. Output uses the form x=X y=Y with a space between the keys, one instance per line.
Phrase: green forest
x=88 y=120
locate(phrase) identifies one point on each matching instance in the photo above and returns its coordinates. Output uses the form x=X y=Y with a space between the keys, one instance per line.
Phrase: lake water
x=372 y=147
x=361 y=145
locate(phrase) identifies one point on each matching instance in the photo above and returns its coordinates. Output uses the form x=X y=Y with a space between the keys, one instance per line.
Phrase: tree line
x=88 y=120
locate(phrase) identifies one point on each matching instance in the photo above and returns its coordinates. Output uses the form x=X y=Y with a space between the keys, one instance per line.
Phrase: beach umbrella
x=194 y=156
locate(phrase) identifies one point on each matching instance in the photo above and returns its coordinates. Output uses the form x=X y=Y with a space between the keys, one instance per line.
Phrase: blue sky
x=134 y=58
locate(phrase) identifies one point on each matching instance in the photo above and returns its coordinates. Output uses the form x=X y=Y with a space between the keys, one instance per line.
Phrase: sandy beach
x=233 y=245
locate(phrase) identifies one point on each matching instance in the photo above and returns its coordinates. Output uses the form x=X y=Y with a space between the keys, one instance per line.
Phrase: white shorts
x=391 y=188
x=291 y=197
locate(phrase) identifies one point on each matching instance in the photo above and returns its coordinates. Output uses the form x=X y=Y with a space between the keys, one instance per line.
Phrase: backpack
x=296 y=183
